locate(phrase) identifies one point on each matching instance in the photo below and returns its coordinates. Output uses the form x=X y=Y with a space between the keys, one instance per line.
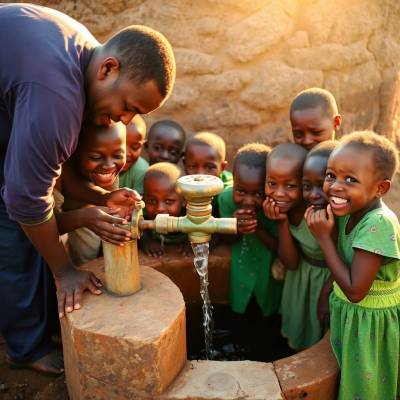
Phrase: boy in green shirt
x=252 y=285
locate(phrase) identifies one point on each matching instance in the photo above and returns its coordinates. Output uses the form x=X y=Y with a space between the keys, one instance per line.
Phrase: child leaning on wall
x=254 y=293
x=132 y=173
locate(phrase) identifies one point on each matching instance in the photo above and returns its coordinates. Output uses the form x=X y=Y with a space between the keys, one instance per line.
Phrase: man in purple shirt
x=53 y=75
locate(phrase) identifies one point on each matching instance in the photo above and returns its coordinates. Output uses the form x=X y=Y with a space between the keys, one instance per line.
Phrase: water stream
x=201 y=252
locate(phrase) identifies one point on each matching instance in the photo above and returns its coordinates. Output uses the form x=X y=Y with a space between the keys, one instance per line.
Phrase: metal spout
x=199 y=224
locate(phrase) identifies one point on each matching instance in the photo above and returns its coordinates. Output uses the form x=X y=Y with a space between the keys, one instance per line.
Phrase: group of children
x=314 y=204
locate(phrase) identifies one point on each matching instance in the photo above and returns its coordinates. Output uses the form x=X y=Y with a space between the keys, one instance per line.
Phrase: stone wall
x=240 y=62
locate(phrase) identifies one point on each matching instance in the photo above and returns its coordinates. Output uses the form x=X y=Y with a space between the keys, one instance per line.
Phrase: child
x=205 y=154
x=297 y=248
x=314 y=117
x=100 y=157
x=132 y=173
x=165 y=142
x=161 y=197
x=313 y=194
x=365 y=303
x=252 y=253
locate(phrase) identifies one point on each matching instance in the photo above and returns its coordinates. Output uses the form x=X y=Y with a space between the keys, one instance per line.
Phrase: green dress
x=251 y=265
x=301 y=290
x=133 y=178
x=227 y=179
x=365 y=336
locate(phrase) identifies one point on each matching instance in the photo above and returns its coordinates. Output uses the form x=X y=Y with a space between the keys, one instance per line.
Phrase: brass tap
x=122 y=275
x=198 y=223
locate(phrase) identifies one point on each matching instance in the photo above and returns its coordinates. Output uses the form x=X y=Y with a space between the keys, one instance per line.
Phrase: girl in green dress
x=306 y=287
x=365 y=265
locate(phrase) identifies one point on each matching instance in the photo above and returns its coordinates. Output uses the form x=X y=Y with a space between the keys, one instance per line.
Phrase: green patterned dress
x=251 y=265
x=365 y=336
x=301 y=290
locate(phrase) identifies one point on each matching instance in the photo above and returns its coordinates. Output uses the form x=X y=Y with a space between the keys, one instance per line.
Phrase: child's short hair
x=253 y=155
x=209 y=139
x=323 y=149
x=289 y=151
x=139 y=122
x=385 y=154
x=164 y=170
x=167 y=123
x=315 y=97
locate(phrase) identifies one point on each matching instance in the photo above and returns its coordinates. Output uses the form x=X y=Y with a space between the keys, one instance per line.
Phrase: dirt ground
x=28 y=385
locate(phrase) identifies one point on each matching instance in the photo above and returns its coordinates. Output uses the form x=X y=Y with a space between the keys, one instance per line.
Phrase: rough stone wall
x=240 y=62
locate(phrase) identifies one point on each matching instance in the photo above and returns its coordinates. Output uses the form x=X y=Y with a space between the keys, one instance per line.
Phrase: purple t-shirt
x=43 y=57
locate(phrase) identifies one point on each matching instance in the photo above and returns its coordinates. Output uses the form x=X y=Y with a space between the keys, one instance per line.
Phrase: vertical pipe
x=121 y=267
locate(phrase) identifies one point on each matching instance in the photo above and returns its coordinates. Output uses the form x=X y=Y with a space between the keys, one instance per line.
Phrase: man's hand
x=70 y=284
x=246 y=221
x=271 y=210
x=124 y=200
x=102 y=221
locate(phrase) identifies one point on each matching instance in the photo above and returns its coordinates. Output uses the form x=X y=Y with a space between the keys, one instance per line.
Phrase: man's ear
x=107 y=67
x=383 y=187
x=224 y=164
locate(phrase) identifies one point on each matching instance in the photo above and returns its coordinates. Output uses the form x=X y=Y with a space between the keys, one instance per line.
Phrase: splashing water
x=201 y=252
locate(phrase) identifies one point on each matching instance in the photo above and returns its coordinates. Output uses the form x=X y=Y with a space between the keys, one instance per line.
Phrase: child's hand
x=124 y=200
x=153 y=248
x=185 y=249
x=320 y=222
x=102 y=221
x=271 y=210
x=246 y=221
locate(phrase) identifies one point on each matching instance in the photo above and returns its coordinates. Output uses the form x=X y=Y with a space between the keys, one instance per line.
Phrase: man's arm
x=70 y=282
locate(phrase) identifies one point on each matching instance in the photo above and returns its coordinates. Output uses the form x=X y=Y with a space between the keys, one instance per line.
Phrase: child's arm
x=100 y=220
x=287 y=249
x=269 y=241
x=355 y=281
x=323 y=302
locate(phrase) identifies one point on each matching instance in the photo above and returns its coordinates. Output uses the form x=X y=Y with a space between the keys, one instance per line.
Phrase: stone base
x=125 y=347
x=223 y=380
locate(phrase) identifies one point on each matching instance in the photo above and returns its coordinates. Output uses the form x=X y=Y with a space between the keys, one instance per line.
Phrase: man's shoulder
x=43 y=46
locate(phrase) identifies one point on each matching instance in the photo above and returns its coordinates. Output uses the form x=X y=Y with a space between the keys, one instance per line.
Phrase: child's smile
x=351 y=183
x=284 y=183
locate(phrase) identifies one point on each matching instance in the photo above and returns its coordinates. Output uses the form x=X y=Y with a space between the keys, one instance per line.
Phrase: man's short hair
x=384 y=152
x=209 y=139
x=315 y=97
x=144 y=55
